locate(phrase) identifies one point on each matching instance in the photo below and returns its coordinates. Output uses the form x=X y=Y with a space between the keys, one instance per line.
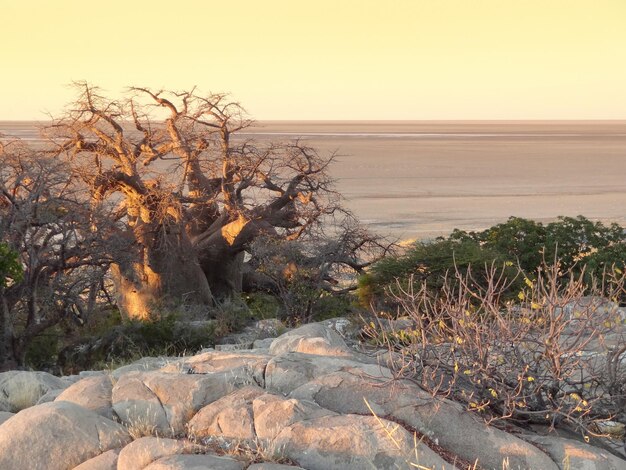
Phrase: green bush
x=10 y=267
x=331 y=306
x=262 y=305
x=580 y=245
x=43 y=350
x=431 y=263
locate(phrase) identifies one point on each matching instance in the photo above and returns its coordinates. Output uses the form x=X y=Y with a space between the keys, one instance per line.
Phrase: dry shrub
x=556 y=356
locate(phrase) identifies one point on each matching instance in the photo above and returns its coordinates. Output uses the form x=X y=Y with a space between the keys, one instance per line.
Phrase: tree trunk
x=163 y=269
x=8 y=359
x=225 y=275
x=222 y=254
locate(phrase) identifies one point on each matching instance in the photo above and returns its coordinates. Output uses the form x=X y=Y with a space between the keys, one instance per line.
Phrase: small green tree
x=10 y=268
x=10 y=273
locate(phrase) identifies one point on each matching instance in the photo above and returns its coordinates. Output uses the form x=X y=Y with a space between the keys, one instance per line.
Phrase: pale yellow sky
x=413 y=59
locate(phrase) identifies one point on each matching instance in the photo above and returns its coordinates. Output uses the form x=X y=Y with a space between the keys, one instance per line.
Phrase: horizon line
x=615 y=120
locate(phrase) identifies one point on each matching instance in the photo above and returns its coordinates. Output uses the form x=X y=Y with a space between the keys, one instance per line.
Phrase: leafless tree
x=45 y=219
x=192 y=194
x=301 y=272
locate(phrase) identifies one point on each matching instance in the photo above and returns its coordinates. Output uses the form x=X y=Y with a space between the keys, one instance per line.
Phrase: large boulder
x=273 y=466
x=571 y=454
x=313 y=338
x=251 y=414
x=105 y=461
x=245 y=339
x=93 y=393
x=288 y=371
x=229 y=417
x=22 y=389
x=146 y=364
x=443 y=421
x=273 y=413
x=57 y=436
x=251 y=362
x=50 y=396
x=196 y=462
x=164 y=402
x=145 y=450
x=355 y=442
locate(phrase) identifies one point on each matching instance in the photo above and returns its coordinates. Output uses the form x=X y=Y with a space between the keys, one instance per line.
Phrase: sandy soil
x=416 y=185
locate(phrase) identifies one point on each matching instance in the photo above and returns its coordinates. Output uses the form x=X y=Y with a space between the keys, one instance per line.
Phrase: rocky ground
x=303 y=400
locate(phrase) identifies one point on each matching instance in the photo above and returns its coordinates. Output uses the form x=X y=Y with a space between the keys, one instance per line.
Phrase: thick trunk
x=225 y=275
x=8 y=359
x=222 y=255
x=163 y=270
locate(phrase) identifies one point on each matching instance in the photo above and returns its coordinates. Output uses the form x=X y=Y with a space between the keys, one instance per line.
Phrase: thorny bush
x=555 y=356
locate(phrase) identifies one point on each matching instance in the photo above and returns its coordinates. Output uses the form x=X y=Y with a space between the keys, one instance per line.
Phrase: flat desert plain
x=420 y=179
x=423 y=179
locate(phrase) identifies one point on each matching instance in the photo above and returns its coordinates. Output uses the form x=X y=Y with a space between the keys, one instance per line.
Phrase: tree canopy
x=190 y=194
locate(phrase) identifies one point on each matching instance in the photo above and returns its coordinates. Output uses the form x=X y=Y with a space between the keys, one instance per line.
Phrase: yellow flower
x=528 y=282
x=521 y=295
x=494 y=394
x=530 y=379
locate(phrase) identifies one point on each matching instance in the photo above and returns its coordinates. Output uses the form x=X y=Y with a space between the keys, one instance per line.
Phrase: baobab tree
x=191 y=194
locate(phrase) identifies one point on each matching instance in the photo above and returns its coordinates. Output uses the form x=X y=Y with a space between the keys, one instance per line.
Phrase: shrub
x=583 y=248
x=555 y=357
x=430 y=263
x=262 y=305
x=135 y=339
x=331 y=306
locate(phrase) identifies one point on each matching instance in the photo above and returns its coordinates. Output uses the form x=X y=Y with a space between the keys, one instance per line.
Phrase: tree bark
x=8 y=360
x=163 y=268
